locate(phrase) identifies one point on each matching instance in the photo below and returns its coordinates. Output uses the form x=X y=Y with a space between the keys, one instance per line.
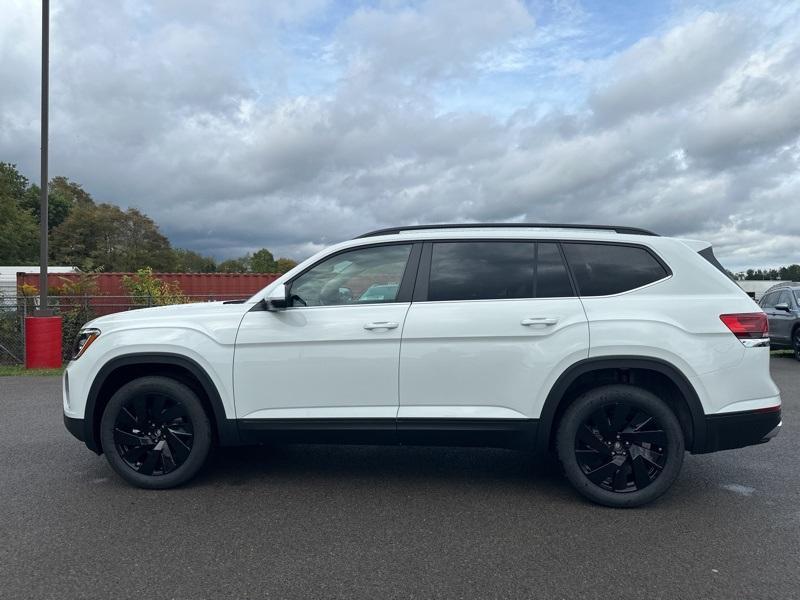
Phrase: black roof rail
x=614 y=228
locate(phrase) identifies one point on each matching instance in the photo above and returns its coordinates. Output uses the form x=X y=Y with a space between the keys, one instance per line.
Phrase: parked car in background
x=616 y=348
x=782 y=306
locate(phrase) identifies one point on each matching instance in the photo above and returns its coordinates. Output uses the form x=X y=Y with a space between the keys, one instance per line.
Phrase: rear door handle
x=381 y=325
x=539 y=321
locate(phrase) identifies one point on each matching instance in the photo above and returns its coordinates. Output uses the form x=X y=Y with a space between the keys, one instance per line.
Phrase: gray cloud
x=291 y=126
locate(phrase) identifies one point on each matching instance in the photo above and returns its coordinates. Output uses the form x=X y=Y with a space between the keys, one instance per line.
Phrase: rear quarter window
x=604 y=269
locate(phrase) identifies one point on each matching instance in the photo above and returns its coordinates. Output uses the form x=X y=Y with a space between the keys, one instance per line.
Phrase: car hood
x=174 y=312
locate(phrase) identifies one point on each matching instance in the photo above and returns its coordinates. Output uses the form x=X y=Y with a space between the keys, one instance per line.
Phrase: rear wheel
x=620 y=445
x=155 y=433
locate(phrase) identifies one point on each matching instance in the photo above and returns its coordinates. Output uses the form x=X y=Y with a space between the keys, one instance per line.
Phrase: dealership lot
x=323 y=522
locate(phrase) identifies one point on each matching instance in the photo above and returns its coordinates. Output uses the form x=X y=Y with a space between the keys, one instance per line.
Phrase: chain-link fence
x=12 y=330
x=74 y=312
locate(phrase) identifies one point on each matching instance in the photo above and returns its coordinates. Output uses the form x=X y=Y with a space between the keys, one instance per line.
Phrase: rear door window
x=604 y=269
x=481 y=270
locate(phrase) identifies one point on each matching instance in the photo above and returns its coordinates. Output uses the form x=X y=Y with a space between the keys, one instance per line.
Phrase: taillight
x=747 y=326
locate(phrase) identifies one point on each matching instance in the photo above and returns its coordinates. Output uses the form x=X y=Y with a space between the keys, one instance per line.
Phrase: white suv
x=615 y=347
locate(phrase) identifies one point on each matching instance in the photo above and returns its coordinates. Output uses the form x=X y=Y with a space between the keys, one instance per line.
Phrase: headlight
x=83 y=341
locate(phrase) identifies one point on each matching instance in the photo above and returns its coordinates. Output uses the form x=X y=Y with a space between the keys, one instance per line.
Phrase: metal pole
x=43 y=208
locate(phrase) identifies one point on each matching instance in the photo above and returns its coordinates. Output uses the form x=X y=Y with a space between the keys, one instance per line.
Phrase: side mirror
x=277 y=299
x=782 y=306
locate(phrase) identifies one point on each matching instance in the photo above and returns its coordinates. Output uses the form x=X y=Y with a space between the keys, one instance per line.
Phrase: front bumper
x=726 y=431
x=75 y=427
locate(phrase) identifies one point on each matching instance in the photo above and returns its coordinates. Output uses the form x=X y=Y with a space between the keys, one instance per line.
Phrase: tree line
x=100 y=236
x=787 y=273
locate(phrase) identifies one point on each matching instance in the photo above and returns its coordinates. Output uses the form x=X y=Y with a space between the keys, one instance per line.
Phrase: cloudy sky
x=291 y=125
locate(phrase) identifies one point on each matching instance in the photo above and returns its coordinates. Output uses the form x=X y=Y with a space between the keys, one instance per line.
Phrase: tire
x=620 y=446
x=155 y=433
x=796 y=343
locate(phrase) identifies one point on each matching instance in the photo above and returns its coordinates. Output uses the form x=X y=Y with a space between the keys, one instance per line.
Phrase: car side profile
x=782 y=307
x=617 y=349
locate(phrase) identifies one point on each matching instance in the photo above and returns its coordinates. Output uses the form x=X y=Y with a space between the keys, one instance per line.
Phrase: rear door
x=490 y=325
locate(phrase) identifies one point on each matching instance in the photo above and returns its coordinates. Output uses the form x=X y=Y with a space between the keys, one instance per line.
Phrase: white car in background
x=616 y=348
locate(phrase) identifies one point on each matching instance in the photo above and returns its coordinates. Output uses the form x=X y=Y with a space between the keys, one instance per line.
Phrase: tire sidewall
x=590 y=401
x=177 y=391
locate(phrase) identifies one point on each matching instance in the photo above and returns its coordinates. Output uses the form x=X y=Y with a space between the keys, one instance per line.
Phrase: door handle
x=381 y=325
x=539 y=321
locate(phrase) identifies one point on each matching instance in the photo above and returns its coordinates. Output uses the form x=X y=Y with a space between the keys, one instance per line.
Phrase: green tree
x=58 y=207
x=63 y=195
x=790 y=273
x=19 y=235
x=262 y=262
x=104 y=236
x=282 y=265
x=149 y=290
x=188 y=261
x=235 y=265
x=70 y=191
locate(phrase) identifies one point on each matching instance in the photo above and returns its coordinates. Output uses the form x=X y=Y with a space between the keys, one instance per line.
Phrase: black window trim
x=647 y=249
x=424 y=272
x=404 y=293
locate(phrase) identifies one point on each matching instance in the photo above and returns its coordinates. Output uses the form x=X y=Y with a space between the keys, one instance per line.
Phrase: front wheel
x=796 y=343
x=155 y=433
x=620 y=446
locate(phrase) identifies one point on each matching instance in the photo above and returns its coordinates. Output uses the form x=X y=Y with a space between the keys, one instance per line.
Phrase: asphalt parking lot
x=378 y=522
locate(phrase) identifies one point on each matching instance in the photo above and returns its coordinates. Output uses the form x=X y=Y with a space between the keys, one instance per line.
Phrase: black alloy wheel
x=620 y=445
x=621 y=448
x=153 y=434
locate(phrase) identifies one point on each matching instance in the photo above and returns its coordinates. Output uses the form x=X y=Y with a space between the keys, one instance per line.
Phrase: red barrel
x=42 y=342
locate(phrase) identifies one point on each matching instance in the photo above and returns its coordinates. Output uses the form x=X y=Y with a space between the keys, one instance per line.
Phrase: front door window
x=363 y=276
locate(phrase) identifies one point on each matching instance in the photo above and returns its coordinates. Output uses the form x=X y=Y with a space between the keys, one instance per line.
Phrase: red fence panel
x=225 y=285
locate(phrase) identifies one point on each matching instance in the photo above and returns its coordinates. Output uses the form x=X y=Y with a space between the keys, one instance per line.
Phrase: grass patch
x=781 y=353
x=19 y=370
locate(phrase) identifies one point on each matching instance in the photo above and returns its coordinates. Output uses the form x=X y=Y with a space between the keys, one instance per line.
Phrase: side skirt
x=495 y=433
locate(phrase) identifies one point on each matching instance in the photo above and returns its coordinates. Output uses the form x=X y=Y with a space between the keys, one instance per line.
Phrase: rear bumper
x=735 y=430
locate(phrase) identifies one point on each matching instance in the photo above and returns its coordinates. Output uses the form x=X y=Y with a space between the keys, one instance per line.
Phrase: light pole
x=43 y=204
x=43 y=330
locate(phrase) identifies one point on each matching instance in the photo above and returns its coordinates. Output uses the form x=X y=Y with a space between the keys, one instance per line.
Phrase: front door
x=780 y=319
x=334 y=353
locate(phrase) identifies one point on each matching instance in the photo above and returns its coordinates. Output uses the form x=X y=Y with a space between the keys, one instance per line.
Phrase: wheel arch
x=122 y=369
x=559 y=397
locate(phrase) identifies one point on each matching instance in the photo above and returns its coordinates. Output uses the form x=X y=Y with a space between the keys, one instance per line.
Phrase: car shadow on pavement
x=244 y=465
